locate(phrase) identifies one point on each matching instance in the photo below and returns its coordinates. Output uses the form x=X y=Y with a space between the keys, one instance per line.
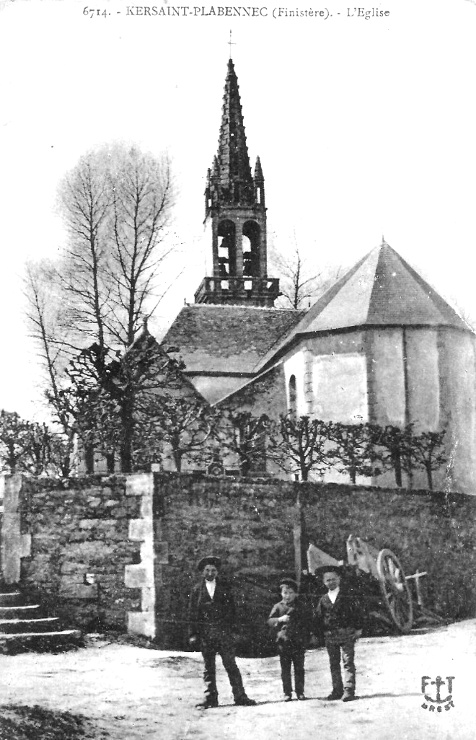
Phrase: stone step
x=40 y=624
x=20 y=611
x=9 y=598
x=24 y=626
x=56 y=641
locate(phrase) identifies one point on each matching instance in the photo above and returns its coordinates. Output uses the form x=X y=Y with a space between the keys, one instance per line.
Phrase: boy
x=340 y=617
x=290 y=620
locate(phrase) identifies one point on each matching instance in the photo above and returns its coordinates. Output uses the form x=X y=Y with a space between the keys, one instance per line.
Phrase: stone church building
x=380 y=345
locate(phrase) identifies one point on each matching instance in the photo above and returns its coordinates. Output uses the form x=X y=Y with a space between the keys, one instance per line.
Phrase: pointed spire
x=233 y=161
x=258 y=170
x=259 y=183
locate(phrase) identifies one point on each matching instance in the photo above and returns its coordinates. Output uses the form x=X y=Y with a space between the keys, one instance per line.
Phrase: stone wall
x=90 y=555
x=251 y=525
x=248 y=524
x=121 y=552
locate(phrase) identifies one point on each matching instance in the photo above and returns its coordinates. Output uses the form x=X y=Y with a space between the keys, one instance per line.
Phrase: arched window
x=251 y=248
x=292 y=395
x=226 y=248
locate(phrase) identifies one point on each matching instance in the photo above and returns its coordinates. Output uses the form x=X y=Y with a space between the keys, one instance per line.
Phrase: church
x=379 y=346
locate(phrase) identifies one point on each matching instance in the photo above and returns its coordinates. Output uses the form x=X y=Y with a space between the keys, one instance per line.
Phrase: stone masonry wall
x=90 y=558
x=138 y=538
x=250 y=524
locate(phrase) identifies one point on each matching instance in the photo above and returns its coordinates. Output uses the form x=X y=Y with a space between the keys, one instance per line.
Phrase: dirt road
x=132 y=693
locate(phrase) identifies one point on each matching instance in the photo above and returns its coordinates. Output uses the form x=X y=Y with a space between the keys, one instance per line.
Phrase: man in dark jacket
x=340 y=617
x=212 y=617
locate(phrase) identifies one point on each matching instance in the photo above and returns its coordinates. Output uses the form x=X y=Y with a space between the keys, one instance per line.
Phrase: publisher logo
x=436 y=696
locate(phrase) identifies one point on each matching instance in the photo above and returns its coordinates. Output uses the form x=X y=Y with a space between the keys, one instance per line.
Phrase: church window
x=292 y=395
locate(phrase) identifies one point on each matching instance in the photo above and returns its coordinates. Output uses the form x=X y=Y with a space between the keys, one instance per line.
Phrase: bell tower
x=235 y=207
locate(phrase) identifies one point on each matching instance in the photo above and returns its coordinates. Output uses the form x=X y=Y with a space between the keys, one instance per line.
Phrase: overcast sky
x=365 y=127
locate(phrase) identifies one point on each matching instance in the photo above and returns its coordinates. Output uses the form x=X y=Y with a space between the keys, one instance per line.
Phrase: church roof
x=380 y=290
x=228 y=339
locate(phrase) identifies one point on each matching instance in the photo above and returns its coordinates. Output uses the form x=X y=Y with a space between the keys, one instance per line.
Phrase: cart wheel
x=395 y=590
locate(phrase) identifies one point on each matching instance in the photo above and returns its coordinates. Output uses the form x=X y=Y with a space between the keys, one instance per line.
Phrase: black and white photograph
x=238 y=377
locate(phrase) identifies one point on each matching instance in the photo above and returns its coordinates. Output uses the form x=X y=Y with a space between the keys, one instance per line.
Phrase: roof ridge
x=274 y=309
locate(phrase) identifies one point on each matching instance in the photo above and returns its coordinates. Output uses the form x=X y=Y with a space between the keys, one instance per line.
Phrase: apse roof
x=380 y=290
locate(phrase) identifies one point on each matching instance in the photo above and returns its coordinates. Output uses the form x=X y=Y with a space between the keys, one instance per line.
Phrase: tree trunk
x=430 y=476
x=244 y=466
x=66 y=465
x=89 y=458
x=110 y=462
x=397 y=465
x=127 y=424
x=177 y=460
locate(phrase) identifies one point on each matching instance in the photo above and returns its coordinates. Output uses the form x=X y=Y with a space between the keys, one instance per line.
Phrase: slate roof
x=380 y=290
x=228 y=339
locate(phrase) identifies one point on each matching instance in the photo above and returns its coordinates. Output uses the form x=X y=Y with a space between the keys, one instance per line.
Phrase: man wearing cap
x=289 y=619
x=212 y=616
x=340 y=617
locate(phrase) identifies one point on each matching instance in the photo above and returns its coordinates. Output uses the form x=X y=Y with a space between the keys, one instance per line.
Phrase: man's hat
x=289 y=582
x=209 y=560
x=329 y=569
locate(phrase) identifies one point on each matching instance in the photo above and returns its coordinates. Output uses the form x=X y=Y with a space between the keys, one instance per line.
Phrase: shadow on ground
x=19 y=722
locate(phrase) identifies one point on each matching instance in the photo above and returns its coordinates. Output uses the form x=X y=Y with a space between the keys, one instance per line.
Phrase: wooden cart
x=381 y=581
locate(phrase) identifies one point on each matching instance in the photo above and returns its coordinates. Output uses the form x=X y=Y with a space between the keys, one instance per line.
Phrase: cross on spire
x=231 y=43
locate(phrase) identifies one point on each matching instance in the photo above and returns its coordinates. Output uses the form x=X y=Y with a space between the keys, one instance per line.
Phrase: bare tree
x=14 y=440
x=391 y=448
x=300 y=284
x=179 y=428
x=116 y=204
x=29 y=447
x=301 y=445
x=355 y=453
x=86 y=202
x=425 y=451
x=244 y=435
x=54 y=349
x=142 y=197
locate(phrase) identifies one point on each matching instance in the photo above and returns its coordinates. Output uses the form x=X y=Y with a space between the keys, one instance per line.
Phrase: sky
x=365 y=128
